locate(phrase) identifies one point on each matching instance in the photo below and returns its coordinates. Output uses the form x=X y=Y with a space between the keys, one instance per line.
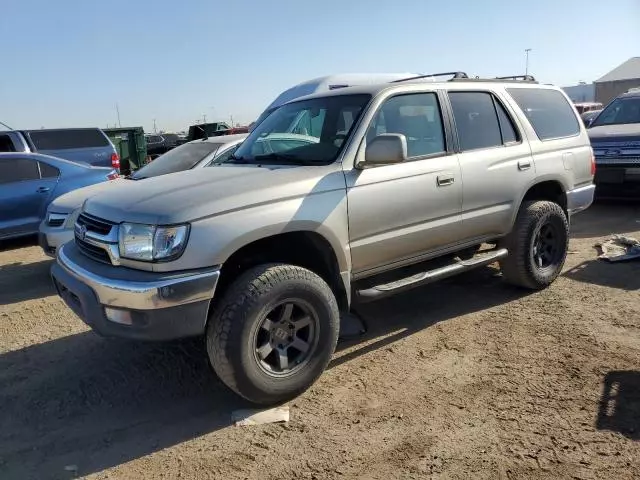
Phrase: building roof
x=629 y=70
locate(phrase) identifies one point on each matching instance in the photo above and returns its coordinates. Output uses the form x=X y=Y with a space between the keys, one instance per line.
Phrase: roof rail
x=456 y=75
x=524 y=78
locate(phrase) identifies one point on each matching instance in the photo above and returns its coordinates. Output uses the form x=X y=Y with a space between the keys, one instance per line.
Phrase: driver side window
x=417 y=116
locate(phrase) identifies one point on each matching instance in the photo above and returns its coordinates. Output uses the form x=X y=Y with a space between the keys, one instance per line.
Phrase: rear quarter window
x=548 y=111
x=67 y=139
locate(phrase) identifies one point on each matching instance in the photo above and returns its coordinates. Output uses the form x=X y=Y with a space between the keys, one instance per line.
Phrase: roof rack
x=524 y=78
x=454 y=75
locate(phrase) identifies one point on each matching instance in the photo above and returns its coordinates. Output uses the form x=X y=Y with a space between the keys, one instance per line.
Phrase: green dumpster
x=130 y=145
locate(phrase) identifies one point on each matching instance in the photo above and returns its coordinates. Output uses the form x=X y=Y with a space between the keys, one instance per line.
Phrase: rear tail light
x=593 y=164
x=115 y=161
x=113 y=175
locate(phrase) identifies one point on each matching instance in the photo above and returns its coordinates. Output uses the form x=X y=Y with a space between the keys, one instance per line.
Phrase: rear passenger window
x=476 y=120
x=548 y=111
x=417 y=117
x=18 y=170
x=67 y=139
x=509 y=134
x=48 y=171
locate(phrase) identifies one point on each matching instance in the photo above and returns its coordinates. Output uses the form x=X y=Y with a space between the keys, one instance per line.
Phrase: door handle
x=524 y=164
x=43 y=189
x=444 y=180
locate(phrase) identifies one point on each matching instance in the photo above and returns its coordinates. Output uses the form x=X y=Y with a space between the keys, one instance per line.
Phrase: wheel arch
x=544 y=188
x=304 y=247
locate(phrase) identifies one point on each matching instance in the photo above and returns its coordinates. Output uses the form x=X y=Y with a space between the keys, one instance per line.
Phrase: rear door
x=88 y=145
x=496 y=163
x=25 y=188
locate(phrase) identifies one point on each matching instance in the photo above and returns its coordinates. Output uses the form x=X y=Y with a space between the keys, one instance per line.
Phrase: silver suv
x=404 y=183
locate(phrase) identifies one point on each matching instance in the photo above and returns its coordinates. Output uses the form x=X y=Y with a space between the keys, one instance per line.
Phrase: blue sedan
x=29 y=182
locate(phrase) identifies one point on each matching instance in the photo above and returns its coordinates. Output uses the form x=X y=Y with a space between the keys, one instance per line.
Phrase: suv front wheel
x=537 y=245
x=273 y=333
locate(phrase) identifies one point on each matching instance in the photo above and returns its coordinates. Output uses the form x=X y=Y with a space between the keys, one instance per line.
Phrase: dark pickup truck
x=82 y=145
x=615 y=139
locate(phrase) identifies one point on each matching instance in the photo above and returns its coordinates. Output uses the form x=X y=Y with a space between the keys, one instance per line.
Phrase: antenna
x=118 y=113
x=5 y=125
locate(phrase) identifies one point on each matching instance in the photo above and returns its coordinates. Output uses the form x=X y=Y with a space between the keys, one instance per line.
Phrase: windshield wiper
x=279 y=158
x=238 y=160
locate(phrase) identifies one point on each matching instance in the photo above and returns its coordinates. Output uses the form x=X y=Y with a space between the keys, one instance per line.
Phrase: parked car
x=157 y=144
x=30 y=181
x=85 y=145
x=589 y=117
x=405 y=183
x=57 y=226
x=615 y=137
x=584 y=107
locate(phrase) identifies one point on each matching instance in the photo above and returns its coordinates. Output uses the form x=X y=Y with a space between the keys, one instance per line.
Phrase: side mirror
x=386 y=149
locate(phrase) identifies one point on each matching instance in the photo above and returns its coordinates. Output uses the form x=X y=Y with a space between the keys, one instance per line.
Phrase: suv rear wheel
x=537 y=245
x=273 y=333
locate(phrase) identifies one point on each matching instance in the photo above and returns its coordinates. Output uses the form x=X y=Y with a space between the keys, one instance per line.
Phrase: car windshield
x=180 y=158
x=620 y=111
x=305 y=132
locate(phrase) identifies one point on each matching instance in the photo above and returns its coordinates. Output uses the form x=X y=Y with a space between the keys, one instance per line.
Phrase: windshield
x=305 y=132
x=620 y=111
x=180 y=158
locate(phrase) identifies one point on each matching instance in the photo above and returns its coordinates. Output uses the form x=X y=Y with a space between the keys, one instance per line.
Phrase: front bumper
x=155 y=306
x=580 y=198
x=52 y=238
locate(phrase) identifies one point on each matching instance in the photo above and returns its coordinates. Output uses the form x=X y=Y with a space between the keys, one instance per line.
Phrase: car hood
x=68 y=202
x=615 y=133
x=194 y=194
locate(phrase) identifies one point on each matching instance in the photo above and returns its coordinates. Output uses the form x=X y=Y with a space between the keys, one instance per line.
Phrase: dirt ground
x=468 y=378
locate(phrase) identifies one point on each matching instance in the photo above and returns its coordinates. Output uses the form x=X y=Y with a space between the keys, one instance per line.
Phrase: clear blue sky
x=67 y=63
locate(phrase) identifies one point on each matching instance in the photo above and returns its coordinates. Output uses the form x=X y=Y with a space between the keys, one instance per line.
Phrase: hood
x=68 y=202
x=193 y=194
x=629 y=132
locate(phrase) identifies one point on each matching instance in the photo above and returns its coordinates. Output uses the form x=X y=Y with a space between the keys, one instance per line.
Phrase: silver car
x=57 y=226
x=404 y=183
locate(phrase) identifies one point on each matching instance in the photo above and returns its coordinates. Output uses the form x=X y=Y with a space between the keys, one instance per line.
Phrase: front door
x=400 y=212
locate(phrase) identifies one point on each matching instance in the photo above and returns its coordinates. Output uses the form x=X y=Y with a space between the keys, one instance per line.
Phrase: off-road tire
x=519 y=267
x=234 y=320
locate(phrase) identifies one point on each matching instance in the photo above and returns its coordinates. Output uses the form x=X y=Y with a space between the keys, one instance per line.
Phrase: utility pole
x=118 y=113
x=526 y=68
x=155 y=130
x=204 y=118
x=231 y=116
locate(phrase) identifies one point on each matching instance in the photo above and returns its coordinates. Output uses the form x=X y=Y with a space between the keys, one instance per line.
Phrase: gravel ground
x=468 y=378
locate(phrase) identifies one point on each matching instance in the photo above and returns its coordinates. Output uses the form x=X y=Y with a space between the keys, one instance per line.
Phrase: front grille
x=94 y=224
x=92 y=251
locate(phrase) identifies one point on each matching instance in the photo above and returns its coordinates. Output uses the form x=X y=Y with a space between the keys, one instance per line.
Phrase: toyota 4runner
x=404 y=183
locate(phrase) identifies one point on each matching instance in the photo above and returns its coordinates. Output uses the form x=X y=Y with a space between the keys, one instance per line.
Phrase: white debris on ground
x=619 y=248
x=243 y=418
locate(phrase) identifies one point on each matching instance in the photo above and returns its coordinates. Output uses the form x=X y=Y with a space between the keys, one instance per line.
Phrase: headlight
x=55 y=219
x=150 y=242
